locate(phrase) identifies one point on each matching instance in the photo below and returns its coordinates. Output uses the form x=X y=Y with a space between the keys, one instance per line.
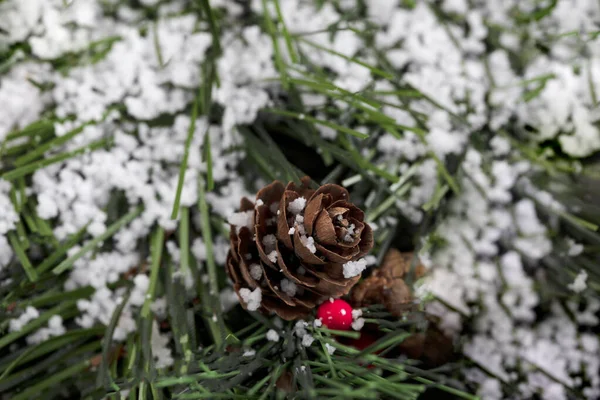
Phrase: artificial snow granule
x=46 y=207
x=160 y=348
x=575 y=249
x=500 y=146
x=289 y=287
x=299 y=225
x=29 y=315
x=272 y=256
x=242 y=219
x=357 y=312
x=272 y=335
x=274 y=208
x=228 y=299
x=55 y=328
x=300 y=328
x=251 y=298
x=301 y=270
x=354 y=268
x=358 y=324
x=159 y=307
x=270 y=242
x=307 y=340
x=330 y=349
x=349 y=237
x=317 y=323
x=259 y=203
x=255 y=271
x=249 y=353
x=371 y=260
x=297 y=206
x=140 y=289
x=292 y=231
x=579 y=284
x=309 y=242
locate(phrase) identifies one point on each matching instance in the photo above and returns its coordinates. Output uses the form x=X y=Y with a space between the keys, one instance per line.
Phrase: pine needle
x=308 y=118
x=156 y=249
x=35 y=390
x=20 y=253
x=207 y=158
x=184 y=161
x=213 y=284
x=271 y=30
x=30 y=168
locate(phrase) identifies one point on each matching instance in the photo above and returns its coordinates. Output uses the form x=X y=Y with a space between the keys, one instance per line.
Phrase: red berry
x=336 y=314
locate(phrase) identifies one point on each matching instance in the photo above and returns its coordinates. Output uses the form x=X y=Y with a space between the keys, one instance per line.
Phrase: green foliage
x=209 y=345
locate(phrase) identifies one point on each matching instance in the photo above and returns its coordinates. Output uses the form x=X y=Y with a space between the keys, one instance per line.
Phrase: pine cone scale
x=243 y=248
x=304 y=280
x=312 y=209
x=304 y=253
x=334 y=257
x=386 y=285
x=324 y=229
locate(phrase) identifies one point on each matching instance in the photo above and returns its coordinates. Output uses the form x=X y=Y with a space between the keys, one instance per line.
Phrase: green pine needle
x=184 y=161
x=156 y=249
x=20 y=252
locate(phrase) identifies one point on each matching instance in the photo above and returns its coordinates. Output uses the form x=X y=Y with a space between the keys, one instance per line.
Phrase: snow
x=55 y=328
x=160 y=348
x=9 y=217
x=494 y=230
x=272 y=256
x=255 y=271
x=251 y=298
x=297 y=206
x=579 y=284
x=26 y=317
x=358 y=324
x=354 y=268
x=270 y=242
x=272 y=335
x=309 y=242
x=330 y=349
x=288 y=287
x=242 y=219
x=307 y=340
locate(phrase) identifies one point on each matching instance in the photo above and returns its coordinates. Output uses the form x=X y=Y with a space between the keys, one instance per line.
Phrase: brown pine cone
x=386 y=284
x=288 y=250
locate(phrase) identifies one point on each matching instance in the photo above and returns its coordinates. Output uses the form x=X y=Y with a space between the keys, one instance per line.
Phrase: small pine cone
x=292 y=245
x=386 y=284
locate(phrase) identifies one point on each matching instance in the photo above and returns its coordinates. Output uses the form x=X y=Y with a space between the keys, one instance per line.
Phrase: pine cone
x=292 y=245
x=386 y=284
